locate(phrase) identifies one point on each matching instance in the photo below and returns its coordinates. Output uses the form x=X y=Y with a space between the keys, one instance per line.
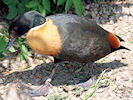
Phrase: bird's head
x=22 y=24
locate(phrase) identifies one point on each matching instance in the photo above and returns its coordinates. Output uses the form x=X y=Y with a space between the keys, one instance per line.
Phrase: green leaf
x=11 y=2
x=6 y=34
x=46 y=4
x=78 y=6
x=20 y=9
x=21 y=39
x=24 y=2
x=12 y=49
x=35 y=9
x=54 y=1
x=3 y=44
x=5 y=52
x=1 y=34
x=24 y=53
x=18 y=42
x=42 y=10
x=32 y=4
x=12 y=12
x=21 y=57
x=60 y=2
x=95 y=1
x=68 y=5
x=24 y=49
x=39 y=1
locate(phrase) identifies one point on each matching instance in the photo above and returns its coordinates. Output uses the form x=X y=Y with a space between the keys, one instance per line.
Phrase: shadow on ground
x=63 y=76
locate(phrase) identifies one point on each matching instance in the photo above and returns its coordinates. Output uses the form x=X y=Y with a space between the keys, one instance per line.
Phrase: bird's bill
x=10 y=43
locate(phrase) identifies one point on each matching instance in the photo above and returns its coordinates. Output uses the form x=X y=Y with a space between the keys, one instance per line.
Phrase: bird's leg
x=44 y=89
x=91 y=67
x=91 y=81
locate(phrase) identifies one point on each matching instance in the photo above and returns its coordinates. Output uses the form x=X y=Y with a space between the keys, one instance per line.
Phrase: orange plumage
x=113 y=40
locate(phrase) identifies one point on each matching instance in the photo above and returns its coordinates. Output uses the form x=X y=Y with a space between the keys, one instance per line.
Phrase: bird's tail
x=121 y=47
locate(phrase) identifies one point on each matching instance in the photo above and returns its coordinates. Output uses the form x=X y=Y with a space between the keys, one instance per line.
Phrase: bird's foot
x=88 y=83
x=42 y=90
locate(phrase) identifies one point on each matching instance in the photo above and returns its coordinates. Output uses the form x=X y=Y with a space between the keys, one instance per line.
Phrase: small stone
x=49 y=59
x=1 y=81
x=31 y=76
x=93 y=14
x=111 y=22
x=87 y=7
x=105 y=16
x=100 y=90
x=85 y=13
x=60 y=90
x=70 y=92
x=24 y=76
x=33 y=72
x=38 y=79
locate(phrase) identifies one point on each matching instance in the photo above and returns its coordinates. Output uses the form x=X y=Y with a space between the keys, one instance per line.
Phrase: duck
x=66 y=37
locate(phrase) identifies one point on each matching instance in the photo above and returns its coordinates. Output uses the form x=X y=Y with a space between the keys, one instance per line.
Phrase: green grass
x=132 y=81
x=103 y=60
x=57 y=97
x=95 y=86
x=131 y=41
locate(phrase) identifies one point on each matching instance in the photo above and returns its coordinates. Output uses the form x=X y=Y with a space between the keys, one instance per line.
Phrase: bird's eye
x=15 y=29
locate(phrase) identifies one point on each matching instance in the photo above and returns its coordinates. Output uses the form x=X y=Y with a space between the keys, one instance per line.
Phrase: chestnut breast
x=45 y=39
